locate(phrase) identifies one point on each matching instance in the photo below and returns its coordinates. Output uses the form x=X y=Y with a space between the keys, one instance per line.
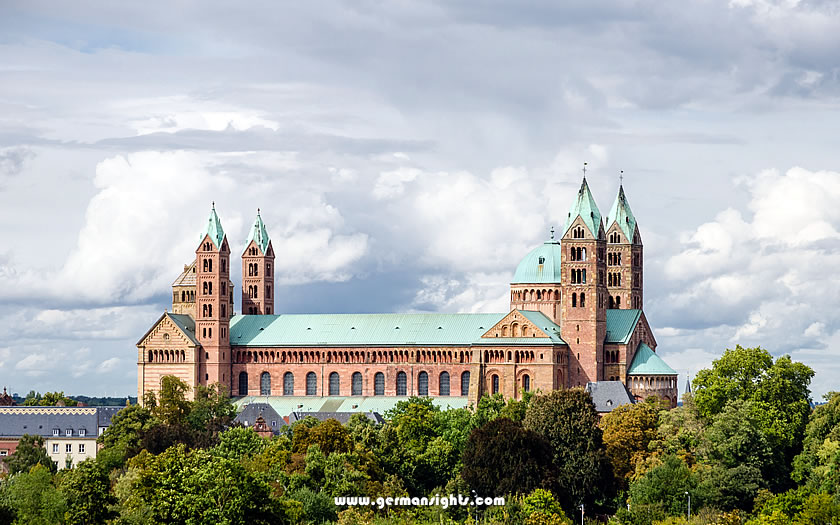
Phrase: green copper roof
x=259 y=235
x=214 y=228
x=360 y=329
x=620 y=324
x=541 y=265
x=621 y=213
x=379 y=329
x=586 y=208
x=646 y=362
x=285 y=405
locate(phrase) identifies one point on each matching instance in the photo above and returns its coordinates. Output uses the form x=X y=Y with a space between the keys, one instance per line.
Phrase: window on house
x=4 y=452
x=288 y=384
x=265 y=384
x=423 y=384
x=379 y=384
x=68 y=432
x=81 y=448
x=526 y=383
x=311 y=384
x=55 y=432
x=495 y=384
x=68 y=448
x=82 y=432
x=55 y=448
x=443 y=384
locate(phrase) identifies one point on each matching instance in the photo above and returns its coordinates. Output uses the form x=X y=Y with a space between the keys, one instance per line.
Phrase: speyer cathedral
x=576 y=316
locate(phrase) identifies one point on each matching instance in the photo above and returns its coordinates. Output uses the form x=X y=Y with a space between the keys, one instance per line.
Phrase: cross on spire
x=584 y=171
x=552 y=233
x=621 y=178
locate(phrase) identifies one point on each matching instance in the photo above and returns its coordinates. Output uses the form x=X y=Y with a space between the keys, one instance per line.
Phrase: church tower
x=213 y=307
x=584 y=293
x=258 y=271
x=624 y=256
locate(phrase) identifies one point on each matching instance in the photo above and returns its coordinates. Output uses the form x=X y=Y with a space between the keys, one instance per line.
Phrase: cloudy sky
x=406 y=155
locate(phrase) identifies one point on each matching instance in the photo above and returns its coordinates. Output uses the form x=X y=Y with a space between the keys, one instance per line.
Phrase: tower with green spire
x=214 y=306
x=258 y=271
x=583 y=291
x=624 y=256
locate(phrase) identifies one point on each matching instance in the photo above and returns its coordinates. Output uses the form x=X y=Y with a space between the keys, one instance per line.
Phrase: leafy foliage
x=568 y=420
x=503 y=457
x=30 y=451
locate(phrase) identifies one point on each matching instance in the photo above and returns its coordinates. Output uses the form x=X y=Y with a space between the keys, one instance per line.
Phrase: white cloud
x=108 y=365
x=763 y=278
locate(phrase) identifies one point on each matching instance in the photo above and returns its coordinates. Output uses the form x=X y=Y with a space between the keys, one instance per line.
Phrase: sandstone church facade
x=576 y=316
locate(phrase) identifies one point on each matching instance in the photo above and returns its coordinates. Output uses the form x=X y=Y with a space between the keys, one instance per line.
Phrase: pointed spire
x=214 y=227
x=687 y=384
x=259 y=234
x=585 y=208
x=622 y=214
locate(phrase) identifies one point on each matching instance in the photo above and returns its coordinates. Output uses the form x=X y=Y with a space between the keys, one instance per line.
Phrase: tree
x=666 y=484
x=87 y=490
x=569 y=422
x=411 y=445
x=778 y=392
x=239 y=443
x=540 y=507
x=50 y=399
x=172 y=407
x=330 y=436
x=628 y=431
x=211 y=409
x=193 y=486
x=123 y=438
x=779 y=388
x=30 y=451
x=35 y=499
x=502 y=457
x=819 y=463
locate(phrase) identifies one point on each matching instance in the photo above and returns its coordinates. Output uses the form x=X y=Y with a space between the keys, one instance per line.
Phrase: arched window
x=574 y=299
x=379 y=384
x=401 y=384
x=265 y=384
x=494 y=384
x=526 y=383
x=582 y=300
x=311 y=384
x=210 y=288
x=423 y=384
x=288 y=384
x=444 y=384
x=356 y=384
x=618 y=301
x=204 y=265
x=209 y=310
x=465 y=384
x=334 y=384
x=243 y=383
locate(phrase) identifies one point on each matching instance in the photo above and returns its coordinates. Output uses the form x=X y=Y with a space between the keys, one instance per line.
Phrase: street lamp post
x=689 y=505
x=581 y=514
